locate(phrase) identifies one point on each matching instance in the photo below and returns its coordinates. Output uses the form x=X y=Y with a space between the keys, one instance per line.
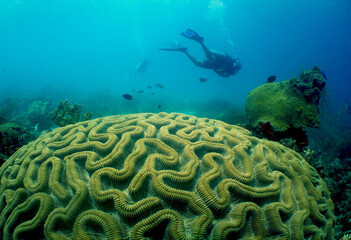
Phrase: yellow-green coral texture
x=280 y=105
x=154 y=176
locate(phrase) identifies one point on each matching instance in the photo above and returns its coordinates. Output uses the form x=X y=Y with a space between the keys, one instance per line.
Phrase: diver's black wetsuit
x=222 y=64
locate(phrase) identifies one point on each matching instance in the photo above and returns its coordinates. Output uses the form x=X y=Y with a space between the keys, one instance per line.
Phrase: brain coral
x=160 y=176
x=291 y=103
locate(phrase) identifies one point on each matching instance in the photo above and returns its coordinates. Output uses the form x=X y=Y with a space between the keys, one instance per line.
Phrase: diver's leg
x=191 y=34
x=207 y=51
x=194 y=60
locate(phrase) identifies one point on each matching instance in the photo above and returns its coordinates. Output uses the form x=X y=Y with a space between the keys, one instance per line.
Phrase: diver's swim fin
x=183 y=49
x=191 y=34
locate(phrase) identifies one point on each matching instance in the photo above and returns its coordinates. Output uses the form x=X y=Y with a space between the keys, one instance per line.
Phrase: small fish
x=159 y=85
x=159 y=106
x=324 y=76
x=127 y=96
x=36 y=127
x=148 y=86
x=349 y=107
x=202 y=79
x=153 y=93
x=140 y=91
x=271 y=79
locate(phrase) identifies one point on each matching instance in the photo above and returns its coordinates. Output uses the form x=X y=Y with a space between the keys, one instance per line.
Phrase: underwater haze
x=277 y=123
x=84 y=48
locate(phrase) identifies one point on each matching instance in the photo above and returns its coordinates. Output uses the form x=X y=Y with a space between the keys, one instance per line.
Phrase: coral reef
x=221 y=110
x=281 y=109
x=310 y=84
x=291 y=103
x=38 y=113
x=64 y=114
x=12 y=137
x=3 y=120
x=346 y=236
x=328 y=152
x=8 y=107
x=140 y=176
x=87 y=116
x=337 y=175
x=338 y=178
x=29 y=112
x=329 y=155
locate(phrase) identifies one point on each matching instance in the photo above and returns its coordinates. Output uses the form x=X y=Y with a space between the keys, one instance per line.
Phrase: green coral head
x=142 y=176
x=65 y=114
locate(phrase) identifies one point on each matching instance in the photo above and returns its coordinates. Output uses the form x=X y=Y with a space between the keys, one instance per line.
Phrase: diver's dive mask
x=236 y=64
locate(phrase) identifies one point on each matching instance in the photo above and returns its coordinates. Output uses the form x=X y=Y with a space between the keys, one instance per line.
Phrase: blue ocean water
x=104 y=55
x=79 y=49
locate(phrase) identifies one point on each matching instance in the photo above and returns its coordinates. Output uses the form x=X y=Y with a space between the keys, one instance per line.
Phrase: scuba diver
x=220 y=62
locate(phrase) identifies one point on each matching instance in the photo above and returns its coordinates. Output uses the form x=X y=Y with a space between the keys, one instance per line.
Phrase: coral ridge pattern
x=170 y=176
